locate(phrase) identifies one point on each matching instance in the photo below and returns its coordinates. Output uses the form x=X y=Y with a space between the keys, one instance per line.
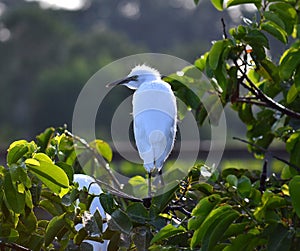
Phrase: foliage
x=234 y=209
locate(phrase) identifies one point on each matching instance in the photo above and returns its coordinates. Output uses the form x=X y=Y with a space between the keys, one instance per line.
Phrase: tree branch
x=269 y=152
x=266 y=100
x=13 y=246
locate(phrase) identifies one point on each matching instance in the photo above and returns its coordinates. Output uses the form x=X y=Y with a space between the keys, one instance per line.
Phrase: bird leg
x=149 y=184
x=161 y=177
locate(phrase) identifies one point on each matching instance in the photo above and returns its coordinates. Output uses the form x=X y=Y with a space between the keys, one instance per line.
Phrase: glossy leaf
x=215 y=231
x=51 y=175
x=232 y=180
x=256 y=37
x=287 y=14
x=292 y=94
x=138 y=213
x=275 y=30
x=167 y=232
x=103 y=149
x=289 y=62
x=202 y=210
x=215 y=54
x=43 y=139
x=275 y=18
x=210 y=221
x=218 y=4
x=107 y=202
x=56 y=224
x=244 y=186
x=294 y=189
x=14 y=199
x=238 y=2
x=122 y=221
x=15 y=153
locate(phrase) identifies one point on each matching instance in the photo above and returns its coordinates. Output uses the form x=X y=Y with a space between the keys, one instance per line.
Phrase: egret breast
x=154 y=115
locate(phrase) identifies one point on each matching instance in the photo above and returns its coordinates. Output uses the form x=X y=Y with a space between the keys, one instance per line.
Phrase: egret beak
x=122 y=81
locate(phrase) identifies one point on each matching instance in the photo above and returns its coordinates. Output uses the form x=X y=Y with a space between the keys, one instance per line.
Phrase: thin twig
x=97 y=156
x=14 y=246
x=249 y=101
x=269 y=152
x=224 y=28
x=263 y=177
x=117 y=192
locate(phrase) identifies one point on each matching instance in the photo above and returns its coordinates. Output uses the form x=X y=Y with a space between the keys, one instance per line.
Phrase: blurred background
x=50 y=48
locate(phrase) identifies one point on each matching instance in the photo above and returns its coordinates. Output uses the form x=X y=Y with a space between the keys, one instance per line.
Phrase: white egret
x=93 y=188
x=154 y=117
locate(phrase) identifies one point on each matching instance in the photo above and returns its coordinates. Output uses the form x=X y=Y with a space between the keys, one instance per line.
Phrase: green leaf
x=294 y=188
x=238 y=2
x=216 y=231
x=280 y=238
x=8 y=234
x=98 y=220
x=256 y=37
x=51 y=175
x=292 y=146
x=215 y=54
x=85 y=246
x=292 y=94
x=167 y=232
x=80 y=236
x=42 y=157
x=246 y=242
x=273 y=17
x=218 y=4
x=289 y=61
x=43 y=139
x=200 y=63
x=232 y=180
x=15 y=153
x=137 y=213
x=244 y=186
x=211 y=220
x=245 y=113
x=14 y=199
x=102 y=148
x=297 y=79
x=287 y=14
x=56 y=224
x=202 y=210
x=275 y=30
x=35 y=242
x=122 y=221
x=107 y=202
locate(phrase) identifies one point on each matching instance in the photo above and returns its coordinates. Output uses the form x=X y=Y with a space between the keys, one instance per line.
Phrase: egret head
x=138 y=75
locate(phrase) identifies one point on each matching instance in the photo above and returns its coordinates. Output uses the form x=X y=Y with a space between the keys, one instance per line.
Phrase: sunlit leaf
x=289 y=62
x=275 y=30
x=43 y=139
x=218 y=4
x=238 y=2
x=103 y=149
